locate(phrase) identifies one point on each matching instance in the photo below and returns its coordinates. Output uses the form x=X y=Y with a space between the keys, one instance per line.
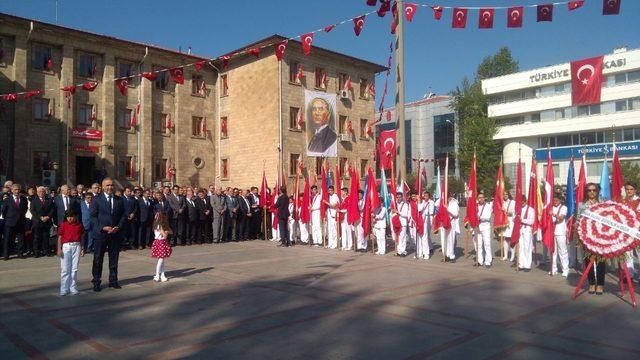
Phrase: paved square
x=255 y=300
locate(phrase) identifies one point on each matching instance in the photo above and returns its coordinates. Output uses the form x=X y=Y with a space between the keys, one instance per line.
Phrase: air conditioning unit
x=345 y=137
x=157 y=184
x=344 y=94
x=49 y=178
x=167 y=183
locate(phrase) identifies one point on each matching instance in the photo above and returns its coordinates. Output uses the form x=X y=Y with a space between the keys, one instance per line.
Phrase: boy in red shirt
x=69 y=250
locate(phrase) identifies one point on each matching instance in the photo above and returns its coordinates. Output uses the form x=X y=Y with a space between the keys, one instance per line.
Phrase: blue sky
x=437 y=56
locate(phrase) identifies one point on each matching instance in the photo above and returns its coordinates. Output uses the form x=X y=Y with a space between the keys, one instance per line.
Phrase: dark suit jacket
x=102 y=215
x=162 y=207
x=203 y=205
x=282 y=205
x=322 y=141
x=145 y=211
x=192 y=210
x=42 y=208
x=130 y=206
x=14 y=215
x=243 y=209
x=74 y=205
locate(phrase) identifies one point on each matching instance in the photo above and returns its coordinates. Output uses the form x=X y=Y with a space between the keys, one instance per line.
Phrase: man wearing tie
x=130 y=231
x=145 y=206
x=178 y=206
x=191 y=218
x=43 y=211
x=64 y=201
x=107 y=220
x=219 y=209
x=14 y=210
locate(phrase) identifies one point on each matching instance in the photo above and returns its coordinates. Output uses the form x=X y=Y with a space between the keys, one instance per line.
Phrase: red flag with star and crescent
x=122 y=85
x=545 y=12
x=586 y=81
x=358 y=24
x=485 y=18
x=611 y=7
x=437 y=12
x=459 y=20
x=546 y=222
x=410 y=10
x=307 y=40
x=280 y=49
x=572 y=5
x=177 y=74
x=386 y=148
x=514 y=16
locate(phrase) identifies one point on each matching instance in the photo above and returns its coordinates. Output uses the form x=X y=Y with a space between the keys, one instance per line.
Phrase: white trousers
x=525 y=248
x=507 y=248
x=561 y=254
x=450 y=238
x=304 y=233
x=380 y=240
x=484 y=252
x=275 y=233
x=402 y=241
x=346 y=235
x=630 y=266
x=422 y=245
x=332 y=232
x=361 y=241
x=316 y=230
x=69 y=267
x=293 y=225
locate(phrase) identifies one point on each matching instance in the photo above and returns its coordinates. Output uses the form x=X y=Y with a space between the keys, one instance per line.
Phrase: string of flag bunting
x=459 y=21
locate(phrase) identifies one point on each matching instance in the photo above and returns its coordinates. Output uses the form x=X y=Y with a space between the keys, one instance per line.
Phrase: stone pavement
x=255 y=300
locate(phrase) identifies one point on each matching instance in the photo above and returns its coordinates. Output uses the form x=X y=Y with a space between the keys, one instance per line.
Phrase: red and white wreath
x=609 y=229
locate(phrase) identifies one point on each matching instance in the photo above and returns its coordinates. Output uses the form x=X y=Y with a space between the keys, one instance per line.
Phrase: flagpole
x=518 y=212
x=400 y=88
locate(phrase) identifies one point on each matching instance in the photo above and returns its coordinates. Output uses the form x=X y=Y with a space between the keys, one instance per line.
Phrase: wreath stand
x=623 y=275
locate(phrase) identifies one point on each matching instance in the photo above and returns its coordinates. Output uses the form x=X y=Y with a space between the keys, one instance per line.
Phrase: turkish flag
x=437 y=12
x=548 y=226
x=151 y=76
x=472 y=192
x=572 y=5
x=90 y=86
x=385 y=5
x=300 y=73
x=299 y=119
x=306 y=40
x=264 y=197
x=372 y=2
x=169 y=123
x=30 y=94
x=517 y=214
x=410 y=10
x=10 y=97
x=225 y=60
x=132 y=167
x=485 y=18
x=358 y=24
x=617 y=181
x=353 y=211
x=255 y=52
x=545 y=12
x=70 y=89
x=328 y=28
x=348 y=85
x=122 y=85
x=134 y=116
x=611 y=7
x=514 y=16
x=586 y=81
x=459 y=20
x=177 y=74
x=386 y=148
x=199 y=64
x=280 y=49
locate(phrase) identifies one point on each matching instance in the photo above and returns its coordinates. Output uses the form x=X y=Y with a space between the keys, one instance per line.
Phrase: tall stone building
x=186 y=133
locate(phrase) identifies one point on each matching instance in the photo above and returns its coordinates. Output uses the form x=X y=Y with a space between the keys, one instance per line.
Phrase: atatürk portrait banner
x=322 y=140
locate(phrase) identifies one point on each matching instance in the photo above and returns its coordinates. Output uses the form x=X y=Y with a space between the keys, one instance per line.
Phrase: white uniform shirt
x=315 y=205
x=334 y=200
x=527 y=217
x=484 y=215
x=454 y=213
x=404 y=212
x=561 y=225
x=380 y=217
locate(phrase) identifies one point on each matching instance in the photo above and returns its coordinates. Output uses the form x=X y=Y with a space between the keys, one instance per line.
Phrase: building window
x=342 y=81
x=535 y=117
x=318 y=166
x=85 y=115
x=160 y=169
x=197 y=126
x=621 y=105
x=293 y=72
x=124 y=119
x=224 y=127
x=162 y=81
x=364 y=165
x=320 y=78
x=563 y=140
x=125 y=69
x=2 y=52
x=561 y=88
x=559 y=114
x=41 y=161
x=87 y=65
x=443 y=133
x=628 y=135
x=342 y=124
x=198 y=86
x=224 y=168
x=344 y=169
x=225 y=84
x=42 y=58
x=587 y=110
x=594 y=169
x=124 y=167
x=364 y=123
x=160 y=123
x=294 y=160
x=364 y=89
x=41 y=109
x=293 y=118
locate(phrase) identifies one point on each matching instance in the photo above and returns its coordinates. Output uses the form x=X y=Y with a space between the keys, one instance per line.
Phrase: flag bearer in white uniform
x=332 y=225
x=484 y=253
x=454 y=214
x=304 y=227
x=525 y=249
x=316 y=218
x=404 y=213
x=429 y=213
x=560 y=236
x=346 y=230
x=360 y=238
x=293 y=224
x=509 y=206
x=380 y=228
x=422 y=241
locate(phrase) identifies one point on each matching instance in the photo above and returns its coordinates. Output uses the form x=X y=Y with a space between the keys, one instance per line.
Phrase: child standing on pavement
x=69 y=250
x=160 y=249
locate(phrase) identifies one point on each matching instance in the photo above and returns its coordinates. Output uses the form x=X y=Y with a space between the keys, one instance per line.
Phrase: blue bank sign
x=595 y=151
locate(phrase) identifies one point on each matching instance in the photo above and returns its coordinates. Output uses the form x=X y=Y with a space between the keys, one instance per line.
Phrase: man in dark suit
x=191 y=218
x=42 y=210
x=160 y=204
x=244 y=216
x=178 y=207
x=256 y=213
x=145 y=219
x=63 y=202
x=282 y=207
x=14 y=209
x=204 y=220
x=130 y=230
x=323 y=137
x=107 y=221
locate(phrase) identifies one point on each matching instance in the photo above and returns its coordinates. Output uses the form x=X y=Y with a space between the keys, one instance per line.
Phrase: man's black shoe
x=115 y=285
x=96 y=287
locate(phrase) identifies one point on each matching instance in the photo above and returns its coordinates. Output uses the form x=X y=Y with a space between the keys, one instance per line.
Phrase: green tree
x=475 y=129
x=630 y=171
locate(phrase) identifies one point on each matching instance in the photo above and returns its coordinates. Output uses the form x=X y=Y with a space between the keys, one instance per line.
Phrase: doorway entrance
x=85 y=170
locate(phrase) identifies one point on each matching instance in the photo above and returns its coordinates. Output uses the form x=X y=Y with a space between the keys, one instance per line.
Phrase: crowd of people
x=71 y=221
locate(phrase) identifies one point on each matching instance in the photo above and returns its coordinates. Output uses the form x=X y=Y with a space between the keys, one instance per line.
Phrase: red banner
x=586 y=81
x=386 y=148
x=86 y=133
x=85 y=148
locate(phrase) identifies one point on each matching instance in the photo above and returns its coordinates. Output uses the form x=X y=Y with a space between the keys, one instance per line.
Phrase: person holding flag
x=559 y=213
x=293 y=222
x=332 y=212
x=633 y=201
x=417 y=225
x=403 y=213
x=346 y=230
x=361 y=238
x=509 y=206
x=525 y=249
x=427 y=216
x=453 y=212
x=484 y=254
x=316 y=217
x=424 y=208
x=379 y=217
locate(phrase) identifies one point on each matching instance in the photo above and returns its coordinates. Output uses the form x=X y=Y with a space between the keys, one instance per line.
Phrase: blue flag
x=571 y=197
x=605 y=184
x=436 y=196
x=384 y=193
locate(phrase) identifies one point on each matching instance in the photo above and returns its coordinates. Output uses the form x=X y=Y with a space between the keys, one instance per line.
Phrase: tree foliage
x=630 y=171
x=475 y=129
